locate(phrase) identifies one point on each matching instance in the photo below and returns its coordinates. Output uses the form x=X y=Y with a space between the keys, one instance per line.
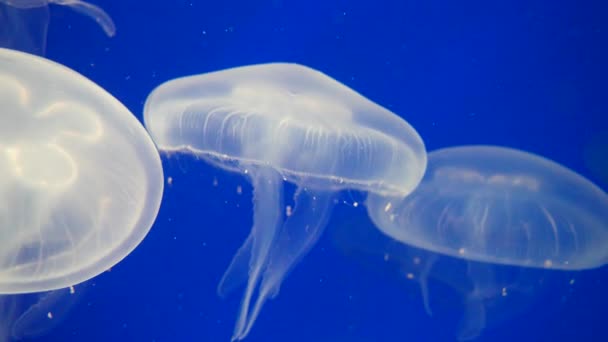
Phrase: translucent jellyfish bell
x=24 y=23
x=80 y=180
x=503 y=206
x=284 y=122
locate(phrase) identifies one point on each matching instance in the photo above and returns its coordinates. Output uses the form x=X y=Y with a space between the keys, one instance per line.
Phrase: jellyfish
x=277 y=123
x=492 y=205
x=80 y=179
x=500 y=205
x=24 y=23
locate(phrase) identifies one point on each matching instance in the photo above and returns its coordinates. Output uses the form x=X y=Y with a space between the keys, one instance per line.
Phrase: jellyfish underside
x=482 y=287
x=486 y=294
x=275 y=244
x=25 y=22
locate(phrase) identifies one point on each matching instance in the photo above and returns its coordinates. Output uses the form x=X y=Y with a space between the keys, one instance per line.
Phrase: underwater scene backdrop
x=528 y=75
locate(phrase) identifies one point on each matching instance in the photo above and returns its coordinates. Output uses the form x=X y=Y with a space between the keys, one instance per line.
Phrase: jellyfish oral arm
x=424 y=286
x=92 y=11
x=274 y=246
x=300 y=232
x=298 y=235
x=253 y=255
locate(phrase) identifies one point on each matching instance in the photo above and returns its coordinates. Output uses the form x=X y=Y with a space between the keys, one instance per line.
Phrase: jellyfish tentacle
x=236 y=273
x=473 y=321
x=474 y=318
x=297 y=236
x=267 y=199
x=94 y=12
x=34 y=321
x=424 y=284
x=24 y=26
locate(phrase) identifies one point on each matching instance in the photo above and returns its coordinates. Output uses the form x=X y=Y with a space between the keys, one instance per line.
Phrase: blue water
x=525 y=74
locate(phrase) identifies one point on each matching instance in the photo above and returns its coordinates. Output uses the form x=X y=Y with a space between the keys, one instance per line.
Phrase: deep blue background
x=526 y=74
